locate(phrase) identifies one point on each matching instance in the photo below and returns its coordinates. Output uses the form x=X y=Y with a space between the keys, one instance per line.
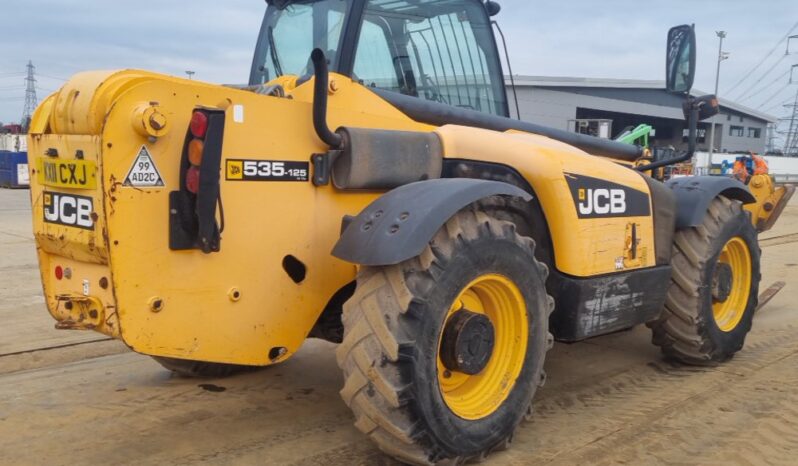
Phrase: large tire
x=189 y=368
x=393 y=327
x=703 y=322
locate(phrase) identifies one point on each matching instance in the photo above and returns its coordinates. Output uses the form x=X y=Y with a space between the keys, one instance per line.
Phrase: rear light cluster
x=198 y=128
x=196 y=218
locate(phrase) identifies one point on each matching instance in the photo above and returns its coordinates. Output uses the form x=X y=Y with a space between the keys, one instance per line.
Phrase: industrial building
x=604 y=107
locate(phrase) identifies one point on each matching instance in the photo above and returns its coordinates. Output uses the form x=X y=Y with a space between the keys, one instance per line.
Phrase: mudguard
x=398 y=225
x=694 y=193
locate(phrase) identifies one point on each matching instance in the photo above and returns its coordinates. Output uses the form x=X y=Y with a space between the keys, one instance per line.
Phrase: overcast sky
x=612 y=39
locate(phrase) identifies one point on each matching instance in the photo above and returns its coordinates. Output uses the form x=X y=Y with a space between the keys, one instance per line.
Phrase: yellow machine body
x=120 y=277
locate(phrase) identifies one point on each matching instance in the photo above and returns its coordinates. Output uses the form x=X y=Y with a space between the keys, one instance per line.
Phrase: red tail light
x=199 y=124
x=59 y=272
x=192 y=179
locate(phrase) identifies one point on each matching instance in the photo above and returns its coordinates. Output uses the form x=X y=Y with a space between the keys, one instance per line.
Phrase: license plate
x=78 y=174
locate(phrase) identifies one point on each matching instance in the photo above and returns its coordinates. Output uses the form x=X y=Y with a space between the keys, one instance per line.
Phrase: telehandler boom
x=368 y=188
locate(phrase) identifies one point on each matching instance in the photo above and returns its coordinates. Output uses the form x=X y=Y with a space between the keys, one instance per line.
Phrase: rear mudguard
x=694 y=193
x=398 y=225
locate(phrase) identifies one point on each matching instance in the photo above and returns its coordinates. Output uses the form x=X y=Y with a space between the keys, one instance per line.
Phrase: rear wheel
x=189 y=368
x=443 y=353
x=714 y=284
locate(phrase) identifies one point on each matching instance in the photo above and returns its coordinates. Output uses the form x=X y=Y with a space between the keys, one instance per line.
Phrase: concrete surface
x=68 y=397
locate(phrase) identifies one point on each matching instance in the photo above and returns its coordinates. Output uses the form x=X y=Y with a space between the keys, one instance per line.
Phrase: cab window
x=373 y=60
x=442 y=51
x=291 y=32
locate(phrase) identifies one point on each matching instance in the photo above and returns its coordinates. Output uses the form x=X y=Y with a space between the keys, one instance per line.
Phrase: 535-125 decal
x=266 y=170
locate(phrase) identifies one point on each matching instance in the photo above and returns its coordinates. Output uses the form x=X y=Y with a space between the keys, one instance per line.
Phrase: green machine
x=637 y=135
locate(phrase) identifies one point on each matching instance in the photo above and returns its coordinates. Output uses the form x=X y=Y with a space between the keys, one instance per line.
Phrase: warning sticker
x=143 y=173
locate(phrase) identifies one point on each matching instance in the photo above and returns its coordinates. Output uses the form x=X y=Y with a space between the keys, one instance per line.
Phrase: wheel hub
x=467 y=342
x=722 y=282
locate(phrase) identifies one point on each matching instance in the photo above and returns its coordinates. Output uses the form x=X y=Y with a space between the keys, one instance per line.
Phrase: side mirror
x=680 y=63
x=492 y=8
x=707 y=106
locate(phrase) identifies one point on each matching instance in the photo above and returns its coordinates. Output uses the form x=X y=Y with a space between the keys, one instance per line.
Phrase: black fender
x=694 y=193
x=399 y=224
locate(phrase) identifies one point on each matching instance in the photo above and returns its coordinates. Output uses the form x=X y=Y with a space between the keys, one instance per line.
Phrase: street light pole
x=721 y=57
x=190 y=73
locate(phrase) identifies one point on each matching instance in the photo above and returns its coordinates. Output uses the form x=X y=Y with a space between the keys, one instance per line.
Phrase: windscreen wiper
x=273 y=52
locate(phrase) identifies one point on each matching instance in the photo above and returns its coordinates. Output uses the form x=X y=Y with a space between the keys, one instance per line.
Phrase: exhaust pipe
x=330 y=138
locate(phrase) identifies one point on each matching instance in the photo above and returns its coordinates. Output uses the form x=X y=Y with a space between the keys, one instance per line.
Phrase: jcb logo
x=602 y=201
x=598 y=198
x=69 y=210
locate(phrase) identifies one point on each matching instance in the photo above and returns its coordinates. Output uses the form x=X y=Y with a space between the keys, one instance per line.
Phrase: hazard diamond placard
x=143 y=173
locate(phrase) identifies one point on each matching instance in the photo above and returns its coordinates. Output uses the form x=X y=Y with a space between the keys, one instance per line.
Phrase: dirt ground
x=70 y=397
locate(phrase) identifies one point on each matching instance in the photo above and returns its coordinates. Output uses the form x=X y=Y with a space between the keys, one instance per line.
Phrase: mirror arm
x=692 y=129
x=692 y=124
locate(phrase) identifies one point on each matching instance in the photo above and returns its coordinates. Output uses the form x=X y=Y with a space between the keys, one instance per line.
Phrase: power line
x=762 y=89
x=51 y=77
x=773 y=96
x=777 y=105
x=756 y=67
x=752 y=86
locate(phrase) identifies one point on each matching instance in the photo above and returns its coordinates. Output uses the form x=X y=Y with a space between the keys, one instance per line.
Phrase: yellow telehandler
x=369 y=188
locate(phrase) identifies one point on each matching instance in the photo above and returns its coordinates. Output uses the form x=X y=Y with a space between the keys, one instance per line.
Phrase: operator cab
x=439 y=50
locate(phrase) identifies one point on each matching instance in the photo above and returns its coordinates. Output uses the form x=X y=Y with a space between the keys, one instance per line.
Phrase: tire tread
x=681 y=331
x=373 y=388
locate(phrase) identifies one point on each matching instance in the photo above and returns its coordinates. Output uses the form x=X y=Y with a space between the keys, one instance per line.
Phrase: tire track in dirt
x=715 y=426
x=777 y=240
x=605 y=421
x=579 y=422
x=144 y=415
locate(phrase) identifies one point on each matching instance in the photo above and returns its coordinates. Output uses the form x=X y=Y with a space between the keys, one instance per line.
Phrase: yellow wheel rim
x=477 y=396
x=728 y=313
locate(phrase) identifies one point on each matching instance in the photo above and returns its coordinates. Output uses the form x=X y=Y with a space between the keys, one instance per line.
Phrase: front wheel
x=443 y=353
x=714 y=284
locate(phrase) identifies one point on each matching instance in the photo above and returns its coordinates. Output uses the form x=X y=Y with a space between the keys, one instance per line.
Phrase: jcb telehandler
x=389 y=205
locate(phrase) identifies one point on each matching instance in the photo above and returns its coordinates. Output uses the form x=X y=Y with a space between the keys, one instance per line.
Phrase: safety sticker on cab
x=143 y=173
